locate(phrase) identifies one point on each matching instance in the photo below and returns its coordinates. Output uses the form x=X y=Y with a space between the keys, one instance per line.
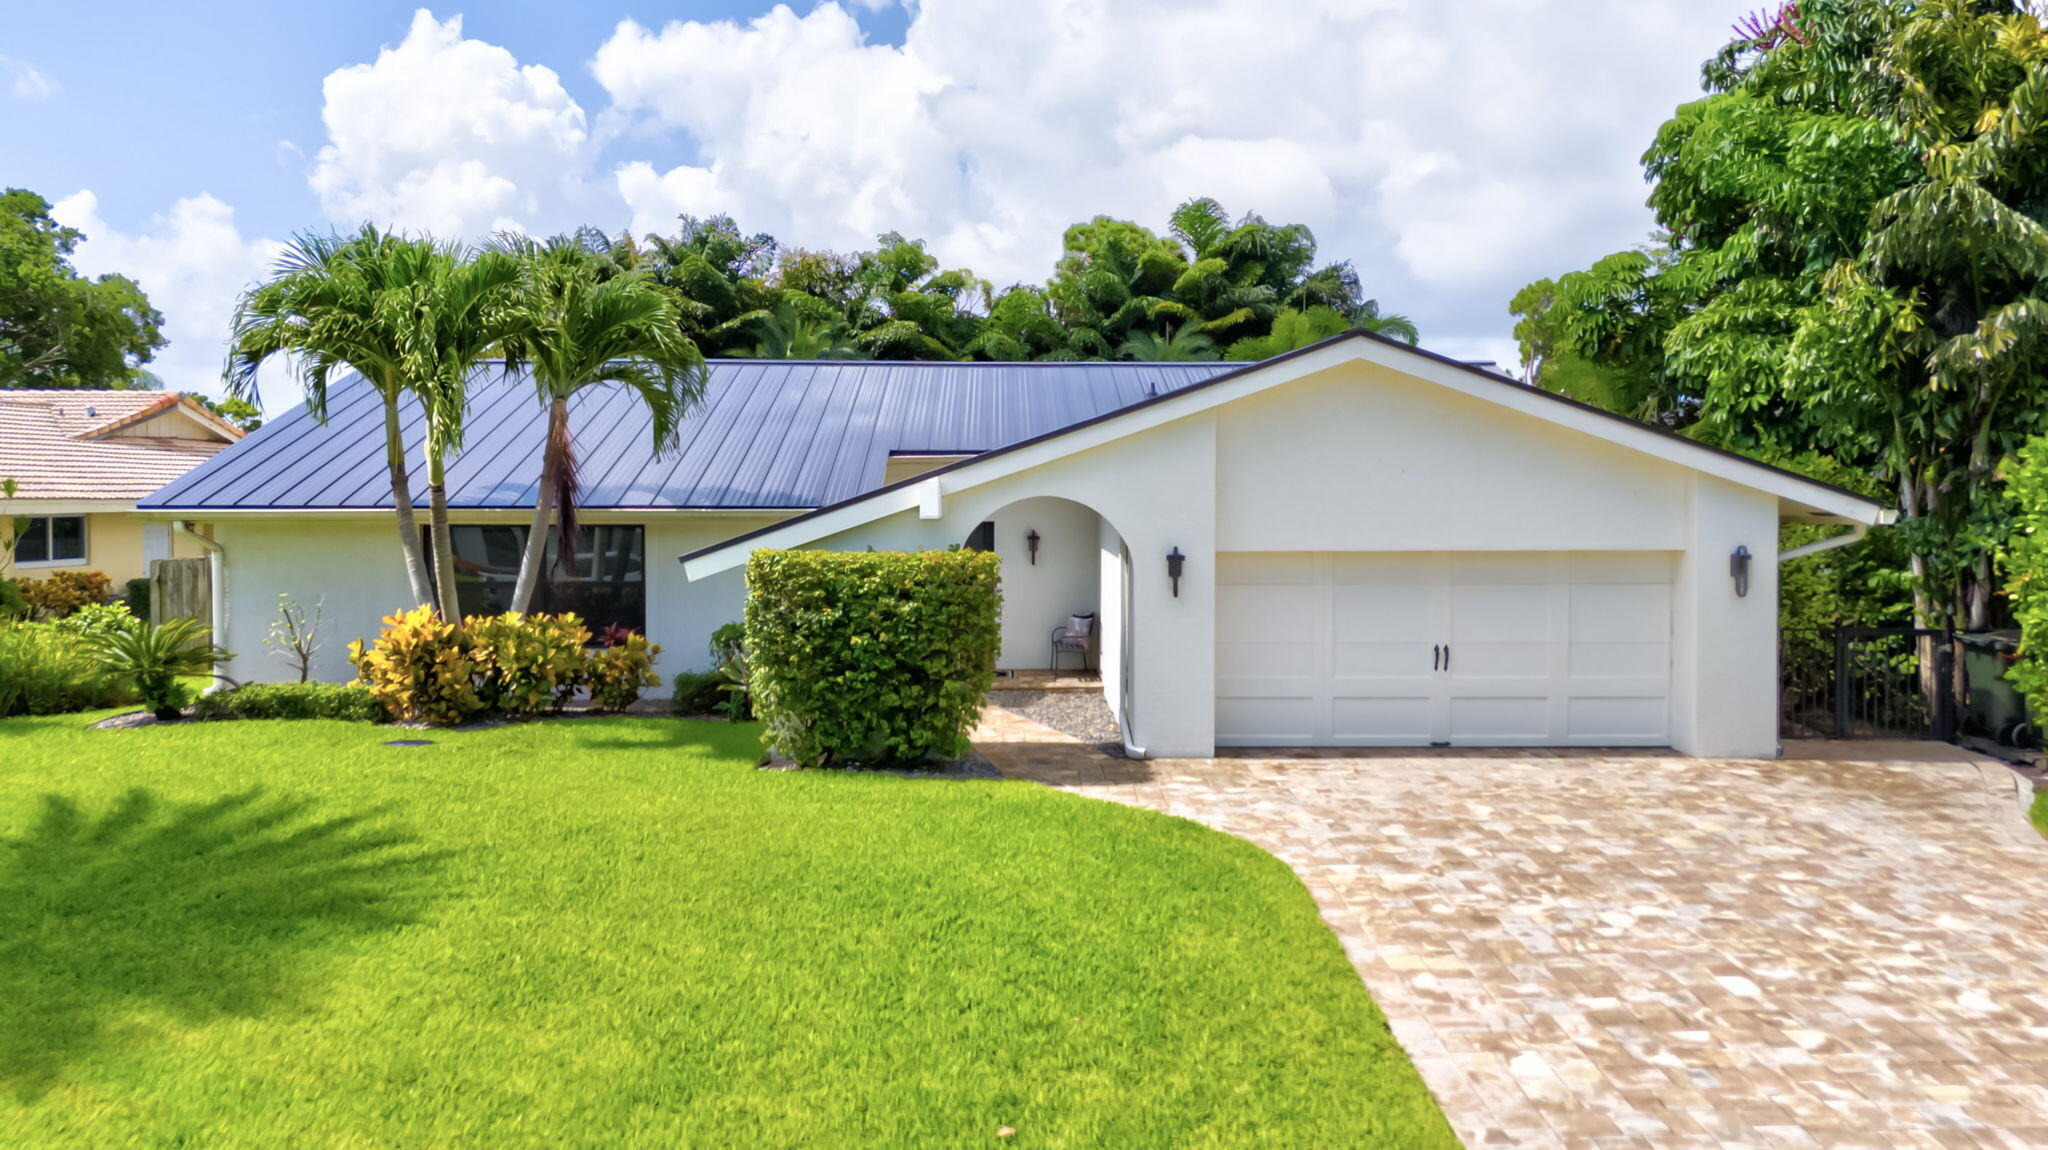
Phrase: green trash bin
x=1996 y=710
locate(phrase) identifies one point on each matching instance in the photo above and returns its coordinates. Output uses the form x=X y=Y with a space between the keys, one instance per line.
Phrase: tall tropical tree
x=458 y=315
x=1852 y=260
x=574 y=324
x=343 y=303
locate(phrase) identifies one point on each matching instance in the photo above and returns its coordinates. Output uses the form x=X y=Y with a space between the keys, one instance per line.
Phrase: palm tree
x=1394 y=326
x=1177 y=345
x=458 y=314
x=794 y=331
x=342 y=303
x=576 y=323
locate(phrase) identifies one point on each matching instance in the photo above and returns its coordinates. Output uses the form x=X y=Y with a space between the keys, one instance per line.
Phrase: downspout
x=1855 y=535
x=217 y=570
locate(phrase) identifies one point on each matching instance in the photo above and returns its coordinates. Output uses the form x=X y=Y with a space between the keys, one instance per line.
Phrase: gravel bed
x=1082 y=714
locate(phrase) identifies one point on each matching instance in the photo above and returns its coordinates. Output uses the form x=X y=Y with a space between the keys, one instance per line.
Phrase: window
x=52 y=539
x=604 y=580
x=982 y=538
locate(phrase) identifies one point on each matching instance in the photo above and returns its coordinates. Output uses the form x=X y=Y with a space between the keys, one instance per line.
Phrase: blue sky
x=1453 y=152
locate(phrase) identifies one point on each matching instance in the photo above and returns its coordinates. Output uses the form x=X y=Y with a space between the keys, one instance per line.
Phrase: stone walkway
x=1845 y=948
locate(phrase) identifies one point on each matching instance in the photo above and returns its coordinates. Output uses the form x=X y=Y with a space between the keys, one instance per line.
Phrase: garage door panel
x=1617 y=719
x=1620 y=612
x=1650 y=661
x=1652 y=567
x=1526 y=718
x=1390 y=719
x=1275 y=722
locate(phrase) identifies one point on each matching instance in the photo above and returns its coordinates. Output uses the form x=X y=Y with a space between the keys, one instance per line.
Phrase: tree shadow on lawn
x=201 y=910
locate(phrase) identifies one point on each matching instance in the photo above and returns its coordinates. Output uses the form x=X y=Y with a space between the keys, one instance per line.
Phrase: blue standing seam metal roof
x=769 y=434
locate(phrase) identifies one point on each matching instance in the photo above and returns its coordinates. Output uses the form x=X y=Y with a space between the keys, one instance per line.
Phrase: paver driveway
x=1849 y=948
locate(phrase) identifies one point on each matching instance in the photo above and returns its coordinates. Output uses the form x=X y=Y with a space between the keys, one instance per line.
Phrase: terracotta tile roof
x=59 y=444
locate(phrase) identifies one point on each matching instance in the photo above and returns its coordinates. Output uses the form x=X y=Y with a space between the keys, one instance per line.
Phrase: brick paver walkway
x=1849 y=948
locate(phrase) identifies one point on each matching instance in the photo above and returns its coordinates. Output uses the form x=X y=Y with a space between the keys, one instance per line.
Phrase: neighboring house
x=1375 y=545
x=82 y=458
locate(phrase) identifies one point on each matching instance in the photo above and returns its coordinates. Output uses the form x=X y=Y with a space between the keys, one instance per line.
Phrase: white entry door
x=1453 y=648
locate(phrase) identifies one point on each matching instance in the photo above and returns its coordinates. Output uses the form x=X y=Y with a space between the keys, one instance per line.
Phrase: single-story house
x=1359 y=543
x=81 y=459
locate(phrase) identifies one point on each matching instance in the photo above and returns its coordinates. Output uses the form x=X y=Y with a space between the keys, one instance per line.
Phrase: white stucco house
x=1356 y=544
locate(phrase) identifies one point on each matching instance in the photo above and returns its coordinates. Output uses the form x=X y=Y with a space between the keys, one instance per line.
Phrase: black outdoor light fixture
x=1174 y=559
x=1031 y=544
x=1738 y=569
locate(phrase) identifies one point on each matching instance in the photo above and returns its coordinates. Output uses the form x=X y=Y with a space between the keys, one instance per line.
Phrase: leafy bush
x=420 y=668
x=45 y=671
x=619 y=673
x=65 y=592
x=2025 y=560
x=527 y=662
x=152 y=658
x=96 y=619
x=136 y=594
x=870 y=656
x=13 y=605
x=349 y=702
x=696 y=692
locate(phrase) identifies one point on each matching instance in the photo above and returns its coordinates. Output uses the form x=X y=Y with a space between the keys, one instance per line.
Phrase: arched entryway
x=1062 y=561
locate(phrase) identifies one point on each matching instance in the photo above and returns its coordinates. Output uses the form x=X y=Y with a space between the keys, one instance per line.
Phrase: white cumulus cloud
x=449 y=135
x=27 y=82
x=192 y=261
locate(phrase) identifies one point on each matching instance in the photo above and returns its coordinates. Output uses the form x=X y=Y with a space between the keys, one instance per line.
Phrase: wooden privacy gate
x=181 y=588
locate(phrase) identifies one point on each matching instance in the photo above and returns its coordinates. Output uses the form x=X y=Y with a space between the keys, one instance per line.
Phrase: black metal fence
x=1901 y=683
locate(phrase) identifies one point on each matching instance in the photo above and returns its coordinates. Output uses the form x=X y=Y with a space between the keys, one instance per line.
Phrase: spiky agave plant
x=153 y=656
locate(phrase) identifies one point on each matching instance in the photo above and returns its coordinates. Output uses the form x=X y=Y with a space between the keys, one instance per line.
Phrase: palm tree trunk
x=537 y=534
x=444 y=546
x=401 y=502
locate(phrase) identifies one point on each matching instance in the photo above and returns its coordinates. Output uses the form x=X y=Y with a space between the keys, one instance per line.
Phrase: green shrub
x=618 y=674
x=155 y=658
x=12 y=604
x=420 y=668
x=2025 y=560
x=696 y=692
x=45 y=671
x=525 y=663
x=65 y=592
x=96 y=619
x=136 y=595
x=729 y=660
x=349 y=702
x=875 y=657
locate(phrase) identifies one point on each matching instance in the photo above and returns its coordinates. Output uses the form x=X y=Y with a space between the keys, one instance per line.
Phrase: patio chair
x=1075 y=637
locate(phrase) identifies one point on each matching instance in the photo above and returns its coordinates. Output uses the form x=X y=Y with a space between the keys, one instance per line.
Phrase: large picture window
x=52 y=539
x=604 y=580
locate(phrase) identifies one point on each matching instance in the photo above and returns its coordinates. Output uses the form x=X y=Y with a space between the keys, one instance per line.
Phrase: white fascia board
x=43 y=508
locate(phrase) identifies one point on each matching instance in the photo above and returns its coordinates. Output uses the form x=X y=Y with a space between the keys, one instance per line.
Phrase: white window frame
x=84 y=535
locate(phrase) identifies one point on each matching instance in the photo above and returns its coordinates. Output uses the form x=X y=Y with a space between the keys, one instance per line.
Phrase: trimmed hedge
x=349 y=702
x=873 y=657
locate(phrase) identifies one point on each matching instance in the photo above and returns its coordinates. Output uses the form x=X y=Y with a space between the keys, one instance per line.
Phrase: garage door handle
x=1436 y=656
x=1447 y=656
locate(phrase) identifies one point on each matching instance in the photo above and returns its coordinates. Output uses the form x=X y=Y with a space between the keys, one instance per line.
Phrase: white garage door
x=1450 y=648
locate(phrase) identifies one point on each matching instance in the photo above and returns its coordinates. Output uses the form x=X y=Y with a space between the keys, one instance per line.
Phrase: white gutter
x=1855 y=535
x=217 y=572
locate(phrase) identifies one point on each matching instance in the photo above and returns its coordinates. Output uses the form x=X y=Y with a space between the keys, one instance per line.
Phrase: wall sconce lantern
x=1738 y=569
x=1031 y=544
x=1174 y=559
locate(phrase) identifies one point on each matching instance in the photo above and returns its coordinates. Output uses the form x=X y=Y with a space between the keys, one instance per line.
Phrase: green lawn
x=2040 y=811
x=615 y=931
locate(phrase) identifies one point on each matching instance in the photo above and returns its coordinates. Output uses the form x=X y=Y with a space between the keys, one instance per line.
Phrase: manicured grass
x=2040 y=811
x=616 y=931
